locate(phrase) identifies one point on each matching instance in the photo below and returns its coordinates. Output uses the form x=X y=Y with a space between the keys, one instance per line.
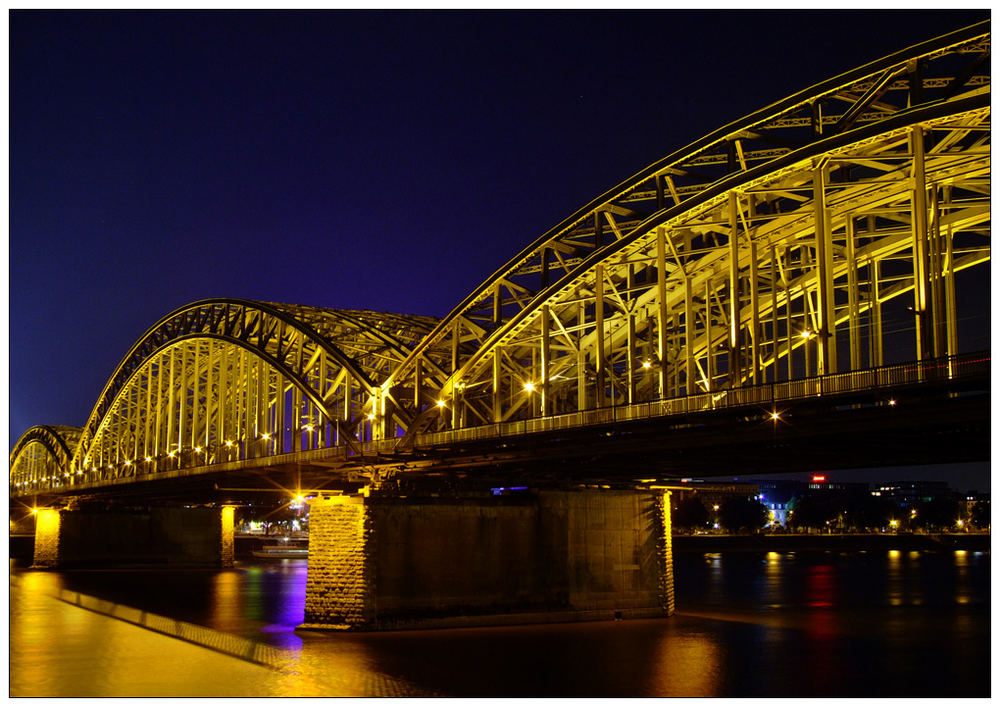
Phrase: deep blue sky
x=376 y=160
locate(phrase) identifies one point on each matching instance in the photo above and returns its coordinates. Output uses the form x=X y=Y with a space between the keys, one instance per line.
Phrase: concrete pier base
x=388 y=563
x=172 y=536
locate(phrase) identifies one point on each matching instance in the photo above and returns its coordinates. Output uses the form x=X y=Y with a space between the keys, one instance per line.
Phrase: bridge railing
x=884 y=378
x=881 y=381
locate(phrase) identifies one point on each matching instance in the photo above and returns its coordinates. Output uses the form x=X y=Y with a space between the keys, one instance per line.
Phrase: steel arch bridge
x=806 y=249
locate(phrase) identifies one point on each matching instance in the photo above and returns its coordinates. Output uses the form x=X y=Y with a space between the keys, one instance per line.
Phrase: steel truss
x=225 y=380
x=766 y=251
x=42 y=456
x=818 y=236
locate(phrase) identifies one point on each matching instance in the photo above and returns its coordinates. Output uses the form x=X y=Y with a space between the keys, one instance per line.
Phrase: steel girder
x=759 y=244
x=42 y=456
x=777 y=248
x=229 y=379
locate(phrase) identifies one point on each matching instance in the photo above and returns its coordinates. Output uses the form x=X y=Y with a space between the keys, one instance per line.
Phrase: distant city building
x=776 y=495
x=971 y=499
x=912 y=493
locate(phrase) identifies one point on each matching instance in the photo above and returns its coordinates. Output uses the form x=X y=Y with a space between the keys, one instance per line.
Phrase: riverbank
x=839 y=542
x=21 y=546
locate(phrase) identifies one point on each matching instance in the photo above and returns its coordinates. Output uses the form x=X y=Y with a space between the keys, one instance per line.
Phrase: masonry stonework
x=666 y=554
x=383 y=562
x=227 y=519
x=197 y=537
x=339 y=583
x=48 y=526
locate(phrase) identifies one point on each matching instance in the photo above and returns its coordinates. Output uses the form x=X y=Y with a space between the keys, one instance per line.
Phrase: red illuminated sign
x=819 y=477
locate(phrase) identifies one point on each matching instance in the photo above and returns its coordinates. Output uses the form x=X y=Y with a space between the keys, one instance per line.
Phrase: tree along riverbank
x=841 y=542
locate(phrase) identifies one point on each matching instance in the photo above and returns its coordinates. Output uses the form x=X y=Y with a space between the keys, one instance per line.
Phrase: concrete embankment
x=841 y=543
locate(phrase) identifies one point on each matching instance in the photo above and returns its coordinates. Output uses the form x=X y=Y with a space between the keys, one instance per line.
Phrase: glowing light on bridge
x=774 y=254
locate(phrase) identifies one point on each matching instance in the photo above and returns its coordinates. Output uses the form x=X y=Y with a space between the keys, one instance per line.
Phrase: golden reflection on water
x=684 y=656
x=227 y=601
x=962 y=589
x=343 y=665
x=686 y=665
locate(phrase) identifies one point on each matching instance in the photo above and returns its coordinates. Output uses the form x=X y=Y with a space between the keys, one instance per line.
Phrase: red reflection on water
x=820 y=586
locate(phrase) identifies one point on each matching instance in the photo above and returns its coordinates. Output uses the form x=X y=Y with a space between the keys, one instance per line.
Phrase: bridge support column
x=48 y=524
x=227 y=523
x=339 y=583
x=389 y=563
x=200 y=537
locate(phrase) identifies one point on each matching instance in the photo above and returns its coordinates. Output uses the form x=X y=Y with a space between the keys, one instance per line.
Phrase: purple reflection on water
x=283 y=584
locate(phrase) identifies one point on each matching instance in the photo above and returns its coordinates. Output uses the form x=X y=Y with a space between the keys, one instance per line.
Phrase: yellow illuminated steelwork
x=739 y=260
x=766 y=253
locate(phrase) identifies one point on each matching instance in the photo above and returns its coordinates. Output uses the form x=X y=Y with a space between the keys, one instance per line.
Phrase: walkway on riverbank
x=61 y=650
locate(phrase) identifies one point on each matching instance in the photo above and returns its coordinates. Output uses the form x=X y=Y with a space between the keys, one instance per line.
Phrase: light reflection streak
x=686 y=665
x=227 y=601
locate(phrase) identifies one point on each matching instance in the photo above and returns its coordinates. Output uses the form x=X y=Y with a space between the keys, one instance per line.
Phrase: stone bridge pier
x=158 y=535
x=383 y=562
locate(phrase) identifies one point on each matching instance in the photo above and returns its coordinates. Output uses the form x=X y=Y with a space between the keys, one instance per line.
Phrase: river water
x=876 y=623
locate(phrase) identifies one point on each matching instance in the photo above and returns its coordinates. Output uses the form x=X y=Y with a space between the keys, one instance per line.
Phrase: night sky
x=371 y=160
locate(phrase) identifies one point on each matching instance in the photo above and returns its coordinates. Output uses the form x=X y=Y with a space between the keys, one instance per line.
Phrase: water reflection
x=227 y=609
x=686 y=665
x=748 y=624
x=820 y=586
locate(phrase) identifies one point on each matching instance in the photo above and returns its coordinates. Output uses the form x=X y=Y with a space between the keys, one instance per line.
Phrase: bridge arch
x=778 y=242
x=826 y=234
x=41 y=457
x=226 y=379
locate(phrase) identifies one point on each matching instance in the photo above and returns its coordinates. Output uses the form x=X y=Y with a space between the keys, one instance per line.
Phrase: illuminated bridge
x=795 y=290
